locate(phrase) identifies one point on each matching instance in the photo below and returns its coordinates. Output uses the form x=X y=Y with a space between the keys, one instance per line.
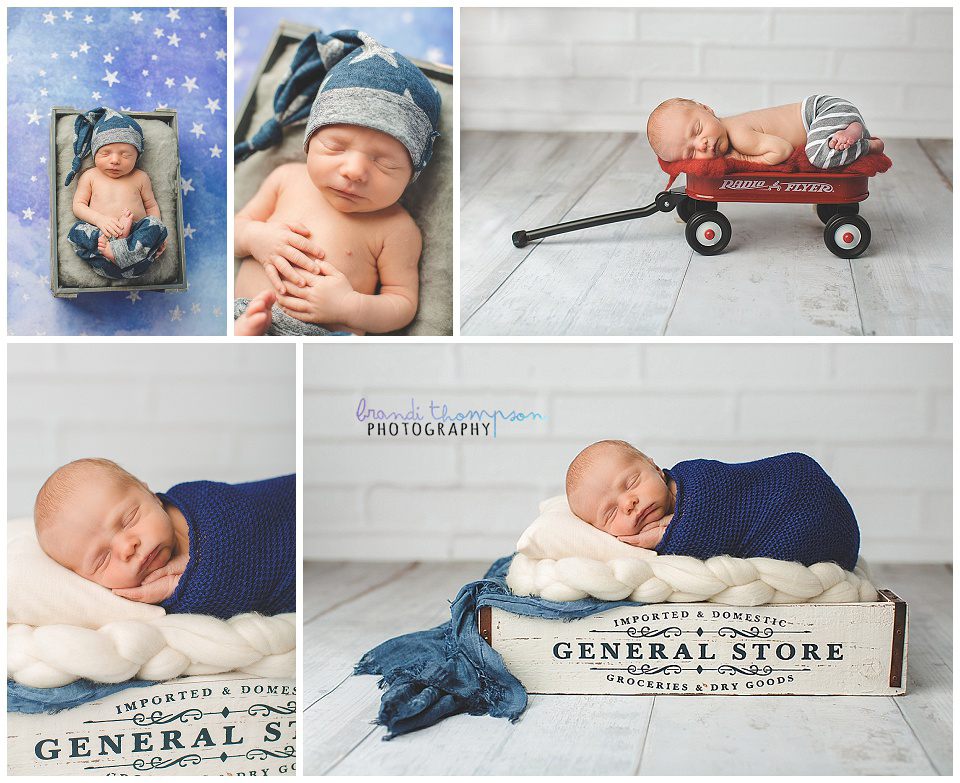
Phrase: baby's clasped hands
x=281 y=246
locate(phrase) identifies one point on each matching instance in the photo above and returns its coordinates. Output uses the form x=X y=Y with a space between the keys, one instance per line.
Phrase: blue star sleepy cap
x=355 y=81
x=92 y=129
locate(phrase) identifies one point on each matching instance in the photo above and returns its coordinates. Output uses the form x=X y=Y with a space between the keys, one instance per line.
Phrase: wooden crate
x=227 y=724
x=705 y=648
x=63 y=291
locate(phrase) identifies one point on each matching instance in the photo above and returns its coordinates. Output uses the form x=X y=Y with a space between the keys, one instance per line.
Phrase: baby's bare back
x=111 y=196
x=783 y=121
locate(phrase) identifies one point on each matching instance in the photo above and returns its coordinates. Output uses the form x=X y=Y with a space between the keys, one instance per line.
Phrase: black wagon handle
x=666 y=201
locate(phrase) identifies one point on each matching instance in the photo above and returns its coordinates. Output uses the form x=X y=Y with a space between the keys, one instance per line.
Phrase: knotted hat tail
x=315 y=56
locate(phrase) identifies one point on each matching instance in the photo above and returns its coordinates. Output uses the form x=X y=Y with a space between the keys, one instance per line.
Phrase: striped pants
x=824 y=115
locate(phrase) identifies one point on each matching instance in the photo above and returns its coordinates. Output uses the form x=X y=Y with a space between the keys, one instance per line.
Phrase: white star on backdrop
x=173 y=40
x=84 y=47
x=213 y=105
x=188 y=231
x=108 y=58
x=190 y=84
x=186 y=185
x=215 y=151
x=28 y=214
x=136 y=17
x=173 y=15
x=33 y=118
x=198 y=130
x=110 y=78
x=221 y=55
x=49 y=17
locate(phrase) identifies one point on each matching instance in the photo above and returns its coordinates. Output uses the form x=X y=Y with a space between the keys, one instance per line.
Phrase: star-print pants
x=133 y=254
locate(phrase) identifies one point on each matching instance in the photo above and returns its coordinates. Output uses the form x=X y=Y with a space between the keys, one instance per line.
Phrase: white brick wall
x=877 y=417
x=166 y=412
x=595 y=69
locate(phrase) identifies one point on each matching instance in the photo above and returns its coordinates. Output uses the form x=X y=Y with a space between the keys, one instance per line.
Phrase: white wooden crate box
x=706 y=648
x=227 y=724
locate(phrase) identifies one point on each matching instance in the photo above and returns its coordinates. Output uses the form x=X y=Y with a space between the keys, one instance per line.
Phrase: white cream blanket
x=62 y=628
x=562 y=558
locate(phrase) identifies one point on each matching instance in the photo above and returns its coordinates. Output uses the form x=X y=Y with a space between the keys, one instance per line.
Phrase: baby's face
x=116 y=160
x=622 y=495
x=692 y=132
x=358 y=169
x=111 y=533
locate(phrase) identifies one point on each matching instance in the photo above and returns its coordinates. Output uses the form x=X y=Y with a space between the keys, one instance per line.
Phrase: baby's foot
x=875 y=145
x=126 y=221
x=844 y=138
x=256 y=319
x=103 y=248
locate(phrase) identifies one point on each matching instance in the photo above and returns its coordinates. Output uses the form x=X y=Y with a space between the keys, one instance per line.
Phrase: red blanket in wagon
x=866 y=166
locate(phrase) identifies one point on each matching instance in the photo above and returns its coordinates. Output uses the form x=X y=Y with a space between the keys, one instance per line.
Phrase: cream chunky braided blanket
x=53 y=655
x=561 y=558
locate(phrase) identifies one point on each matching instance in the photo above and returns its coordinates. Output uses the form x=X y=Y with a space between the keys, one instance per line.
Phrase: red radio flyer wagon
x=837 y=197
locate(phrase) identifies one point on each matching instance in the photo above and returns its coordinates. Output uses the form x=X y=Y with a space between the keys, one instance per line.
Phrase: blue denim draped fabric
x=447 y=670
x=21 y=698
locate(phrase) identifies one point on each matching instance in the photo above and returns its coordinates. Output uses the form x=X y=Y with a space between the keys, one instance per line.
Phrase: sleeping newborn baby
x=203 y=547
x=119 y=232
x=784 y=507
x=830 y=129
x=327 y=247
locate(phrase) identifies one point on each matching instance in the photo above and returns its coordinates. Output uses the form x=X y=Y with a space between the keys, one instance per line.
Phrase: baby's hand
x=648 y=538
x=158 y=585
x=109 y=227
x=280 y=246
x=326 y=299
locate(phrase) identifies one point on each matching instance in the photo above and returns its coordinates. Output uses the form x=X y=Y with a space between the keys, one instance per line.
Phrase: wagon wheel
x=690 y=206
x=827 y=211
x=708 y=232
x=846 y=236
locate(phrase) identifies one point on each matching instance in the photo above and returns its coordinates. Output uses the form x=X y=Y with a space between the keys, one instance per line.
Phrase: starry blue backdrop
x=421 y=33
x=128 y=59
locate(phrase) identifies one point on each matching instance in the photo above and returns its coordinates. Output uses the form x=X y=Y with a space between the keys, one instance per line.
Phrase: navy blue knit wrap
x=784 y=507
x=243 y=547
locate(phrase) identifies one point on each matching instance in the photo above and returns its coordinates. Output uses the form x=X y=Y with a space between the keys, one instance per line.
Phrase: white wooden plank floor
x=641 y=278
x=351 y=607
